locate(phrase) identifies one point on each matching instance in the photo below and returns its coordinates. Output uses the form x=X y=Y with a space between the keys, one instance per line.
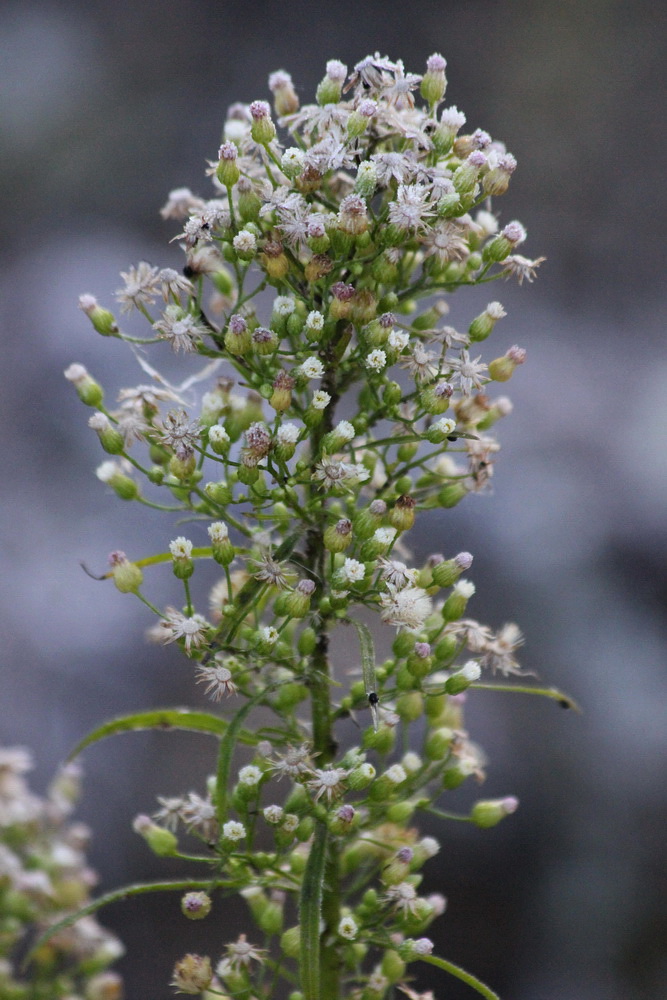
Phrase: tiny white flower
x=218 y=435
x=385 y=536
x=106 y=471
x=250 y=775
x=423 y=946
x=396 y=774
x=311 y=368
x=376 y=360
x=218 y=532
x=464 y=588
x=367 y=771
x=347 y=928
x=288 y=434
x=273 y=814
x=411 y=762
x=315 y=320
x=471 y=670
x=353 y=571
x=398 y=339
x=407 y=608
x=446 y=425
x=284 y=305
x=344 y=430
x=233 y=830
x=292 y=161
x=429 y=846
x=268 y=634
x=320 y=400
x=245 y=241
x=99 y=422
x=290 y=822
x=181 y=548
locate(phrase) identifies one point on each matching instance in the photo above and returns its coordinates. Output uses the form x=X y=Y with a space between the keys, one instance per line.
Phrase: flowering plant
x=302 y=279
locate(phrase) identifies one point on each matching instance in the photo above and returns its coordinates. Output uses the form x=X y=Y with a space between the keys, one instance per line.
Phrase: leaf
x=368 y=667
x=135 y=889
x=459 y=973
x=310 y=908
x=228 y=743
x=161 y=718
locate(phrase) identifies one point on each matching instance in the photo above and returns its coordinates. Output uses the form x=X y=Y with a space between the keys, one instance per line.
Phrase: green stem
x=459 y=973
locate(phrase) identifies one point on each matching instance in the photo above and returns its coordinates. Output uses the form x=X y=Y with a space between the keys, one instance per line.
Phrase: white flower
x=284 y=305
x=245 y=242
x=250 y=775
x=181 y=548
x=398 y=339
x=218 y=532
x=219 y=680
x=328 y=782
x=178 y=626
x=445 y=425
x=407 y=608
x=347 y=928
x=242 y=952
x=320 y=400
x=353 y=571
x=141 y=287
x=268 y=634
x=218 y=435
x=467 y=372
x=273 y=814
x=288 y=434
x=423 y=946
x=233 y=830
x=464 y=588
x=396 y=774
x=411 y=762
x=344 y=430
x=376 y=360
x=311 y=368
x=384 y=536
x=315 y=321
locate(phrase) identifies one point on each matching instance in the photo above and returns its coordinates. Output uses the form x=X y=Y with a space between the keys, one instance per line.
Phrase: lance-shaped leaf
x=310 y=910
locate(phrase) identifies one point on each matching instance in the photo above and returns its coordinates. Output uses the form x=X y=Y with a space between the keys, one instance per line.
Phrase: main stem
x=324 y=742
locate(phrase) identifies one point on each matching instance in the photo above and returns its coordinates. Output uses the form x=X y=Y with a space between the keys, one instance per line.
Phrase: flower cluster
x=44 y=876
x=301 y=287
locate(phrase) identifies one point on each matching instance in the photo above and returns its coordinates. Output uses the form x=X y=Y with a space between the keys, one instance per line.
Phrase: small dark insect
x=462 y=434
x=373 y=698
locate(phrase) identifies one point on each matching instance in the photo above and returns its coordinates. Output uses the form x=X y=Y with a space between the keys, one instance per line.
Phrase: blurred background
x=105 y=107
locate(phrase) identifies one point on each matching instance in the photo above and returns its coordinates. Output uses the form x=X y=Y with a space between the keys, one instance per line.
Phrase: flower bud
x=290 y=942
x=434 y=81
x=392 y=966
x=338 y=537
x=330 y=87
x=222 y=549
x=451 y=494
x=497 y=179
x=238 y=339
x=196 y=905
x=455 y=605
x=489 y=812
x=161 y=841
x=264 y=341
x=249 y=204
x=367 y=521
x=88 y=390
x=181 y=554
x=297 y=603
x=275 y=261
x=438 y=742
x=126 y=575
x=122 y=485
x=227 y=170
x=193 y=974
x=281 y=398
x=502 y=369
x=262 y=128
x=463 y=678
x=482 y=325
x=402 y=515
x=448 y=571
x=285 y=99
x=361 y=777
x=110 y=438
x=103 y=320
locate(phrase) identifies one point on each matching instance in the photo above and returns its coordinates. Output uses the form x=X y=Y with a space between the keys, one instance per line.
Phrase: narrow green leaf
x=136 y=889
x=310 y=909
x=233 y=735
x=466 y=977
x=368 y=667
x=161 y=718
x=563 y=699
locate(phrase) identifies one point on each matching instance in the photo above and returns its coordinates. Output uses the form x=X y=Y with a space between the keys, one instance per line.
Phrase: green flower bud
x=446 y=650
x=455 y=605
x=402 y=515
x=502 y=369
x=400 y=812
x=463 y=678
x=392 y=966
x=88 y=390
x=434 y=81
x=361 y=777
x=482 y=325
x=262 y=128
x=290 y=942
x=382 y=740
x=122 y=485
x=161 y=841
x=438 y=742
x=127 y=576
x=410 y=705
x=447 y=572
x=227 y=170
x=489 y=812
x=338 y=537
x=452 y=494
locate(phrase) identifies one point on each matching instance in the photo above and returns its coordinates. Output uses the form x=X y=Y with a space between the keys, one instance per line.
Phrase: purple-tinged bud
x=338 y=537
x=330 y=88
x=281 y=398
x=262 y=129
x=402 y=515
x=502 y=369
x=466 y=176
x=238 y=340
x=434 y=81
x=489 y=812
x=285 y=99
x=368 y=520
x=196 y=905
x=274 y=260
x=352 y=217
x=227 y=170
x=446 y=573
x=297 y=603
x=505 y=242
x=496 y=180
x=360 y=118
x=127 y=576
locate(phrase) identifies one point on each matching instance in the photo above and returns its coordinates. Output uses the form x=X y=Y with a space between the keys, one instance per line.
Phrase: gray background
x=106 y=107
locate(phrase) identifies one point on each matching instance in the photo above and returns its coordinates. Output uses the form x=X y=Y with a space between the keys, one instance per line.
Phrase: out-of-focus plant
x=44 y=876
x=354 y=411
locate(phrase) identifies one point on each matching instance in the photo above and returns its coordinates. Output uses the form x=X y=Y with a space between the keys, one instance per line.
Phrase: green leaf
x=466 y=977
x=368 y=666
x=233 y=735
x=162 y=718
x=137 y=889
x=310 y=909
